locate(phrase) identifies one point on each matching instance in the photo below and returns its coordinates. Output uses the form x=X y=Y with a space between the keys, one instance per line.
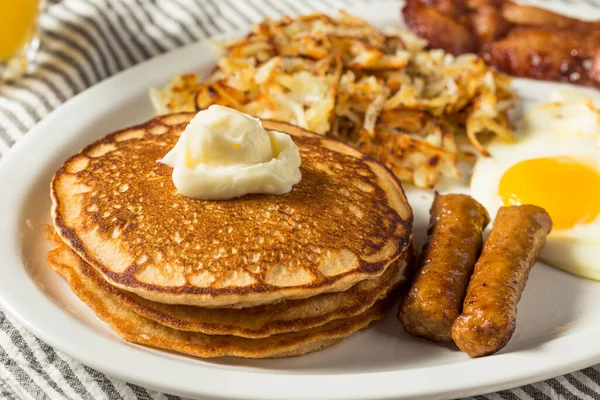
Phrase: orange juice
x=18 y=20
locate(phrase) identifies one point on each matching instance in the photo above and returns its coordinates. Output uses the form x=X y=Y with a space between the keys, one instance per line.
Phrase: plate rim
x=53 y=325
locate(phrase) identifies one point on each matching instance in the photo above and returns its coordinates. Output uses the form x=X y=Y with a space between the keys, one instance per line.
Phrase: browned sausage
x=445 y=265
x=489 y=313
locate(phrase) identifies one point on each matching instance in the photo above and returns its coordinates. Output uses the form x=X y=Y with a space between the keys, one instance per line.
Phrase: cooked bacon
x=520 y=40
x=518 y=14
x=548 y=54
x=489 y=23
x=439 y=28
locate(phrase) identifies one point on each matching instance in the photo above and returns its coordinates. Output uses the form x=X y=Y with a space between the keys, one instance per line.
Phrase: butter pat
x=223 y=154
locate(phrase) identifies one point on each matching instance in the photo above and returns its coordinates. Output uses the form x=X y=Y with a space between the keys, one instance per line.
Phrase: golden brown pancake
x=106 y=301
x=260 y=321
x=116 y=206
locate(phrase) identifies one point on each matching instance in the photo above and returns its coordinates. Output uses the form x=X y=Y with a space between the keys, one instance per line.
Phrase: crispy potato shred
x=386 y=94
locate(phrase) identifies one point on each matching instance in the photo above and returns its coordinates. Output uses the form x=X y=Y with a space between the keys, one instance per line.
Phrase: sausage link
x=489 y=312
x=444 y=267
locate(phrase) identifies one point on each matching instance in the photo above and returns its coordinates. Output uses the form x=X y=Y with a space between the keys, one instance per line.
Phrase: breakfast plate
x=558 y=322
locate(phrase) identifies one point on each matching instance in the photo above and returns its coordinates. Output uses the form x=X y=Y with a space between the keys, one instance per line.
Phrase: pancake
x=260 y=321
x=104 y=300
x=116 y=206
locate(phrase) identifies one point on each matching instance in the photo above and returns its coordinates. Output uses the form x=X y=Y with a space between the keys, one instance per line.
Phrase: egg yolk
x=568 y=190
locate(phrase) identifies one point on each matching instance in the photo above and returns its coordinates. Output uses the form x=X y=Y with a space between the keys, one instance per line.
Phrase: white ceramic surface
x=558 y=322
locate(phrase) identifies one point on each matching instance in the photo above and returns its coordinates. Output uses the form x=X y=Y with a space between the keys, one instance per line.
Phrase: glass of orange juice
x=18 y=36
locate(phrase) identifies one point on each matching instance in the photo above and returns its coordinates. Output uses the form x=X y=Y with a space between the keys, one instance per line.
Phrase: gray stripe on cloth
x=311 y=6
x=139 y=16
x=6 y=391
x=329 y=4
x=24 y=105
x=3 y=146
x=592 y=373
x=140 y=392
x=218 y=16
x=17 y=340
x=4 y=135
x=176 y=27
x=108 y=58
x=57 y=50
x=153 y=21
x=133 y=28
x=208 y=20
x=584 y=389
x=213 y=14
x=119 y=54
x=185 y=8
x=189 y=21
x=535 y=393
x=64 y=76
x=47 y=85
x=121 y=38
x=278 y=7
x=90 y=57
x=561 y=390
x=23 y=386
x=8 y=381
x=37 y=107
x=23 y=88
x=10 y=112
x=259 y=11
x=229 y=9
x=301 y=7
x=107 y=387
x=508 y=395
x=293 y=7
x=249 y=11
x=46 y=89
x=66 y=372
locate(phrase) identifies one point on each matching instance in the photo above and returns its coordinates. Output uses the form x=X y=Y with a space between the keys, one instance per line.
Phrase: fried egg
x=554 y=163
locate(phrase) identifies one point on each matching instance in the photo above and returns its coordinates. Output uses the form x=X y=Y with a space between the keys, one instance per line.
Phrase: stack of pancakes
x=258 y=276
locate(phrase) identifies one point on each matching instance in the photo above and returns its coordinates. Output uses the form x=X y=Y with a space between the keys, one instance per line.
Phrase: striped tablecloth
x=84 y=42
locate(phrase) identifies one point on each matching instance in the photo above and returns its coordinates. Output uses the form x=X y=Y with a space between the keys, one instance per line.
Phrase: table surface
x=86 y=41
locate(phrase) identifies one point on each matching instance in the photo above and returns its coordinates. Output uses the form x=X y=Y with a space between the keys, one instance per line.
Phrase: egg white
x=559 y=129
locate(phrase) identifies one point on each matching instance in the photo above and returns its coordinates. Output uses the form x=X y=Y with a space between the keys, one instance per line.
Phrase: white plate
x=558 y=322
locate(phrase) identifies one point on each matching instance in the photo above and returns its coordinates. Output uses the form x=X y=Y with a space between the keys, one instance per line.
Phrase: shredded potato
x=385 y=94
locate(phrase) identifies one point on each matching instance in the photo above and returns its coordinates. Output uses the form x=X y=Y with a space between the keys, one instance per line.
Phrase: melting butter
x=224 y=154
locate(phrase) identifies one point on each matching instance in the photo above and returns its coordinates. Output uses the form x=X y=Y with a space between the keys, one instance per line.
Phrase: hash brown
x=386 y=94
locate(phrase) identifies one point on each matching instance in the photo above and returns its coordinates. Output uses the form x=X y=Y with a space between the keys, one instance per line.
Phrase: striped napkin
x=86 y=41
